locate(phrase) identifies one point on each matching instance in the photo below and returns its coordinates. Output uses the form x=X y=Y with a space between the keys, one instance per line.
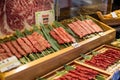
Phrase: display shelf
x=111 y=68
x=109 y=21
x=50 y=62
x=52 y=75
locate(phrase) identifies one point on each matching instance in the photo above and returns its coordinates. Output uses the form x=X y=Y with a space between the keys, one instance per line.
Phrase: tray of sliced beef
x=75 y=71
x=105 y=57
x=83 y=28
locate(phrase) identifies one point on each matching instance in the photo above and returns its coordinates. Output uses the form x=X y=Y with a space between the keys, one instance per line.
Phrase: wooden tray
x=111 y=22
x=55 y=60
x=52 y=73
x=100 y=49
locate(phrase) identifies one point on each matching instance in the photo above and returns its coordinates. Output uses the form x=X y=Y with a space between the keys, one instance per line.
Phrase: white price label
x=75 y=45
x=101 y=33
x=9 y=63
x=44 y=17
x=113 y=14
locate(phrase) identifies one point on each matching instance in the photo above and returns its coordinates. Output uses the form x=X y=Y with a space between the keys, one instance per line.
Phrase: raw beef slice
x=20 y=14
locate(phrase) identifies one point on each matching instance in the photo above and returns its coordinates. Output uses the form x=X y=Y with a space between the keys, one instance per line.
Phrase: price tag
x=101 y=33
x=44 y=17
x=75 y=45
x=9 y=63
x=113 y=14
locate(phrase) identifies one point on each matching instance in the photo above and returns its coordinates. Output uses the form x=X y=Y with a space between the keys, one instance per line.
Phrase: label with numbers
x=113 y=14
x=9 y=63
x=44 y=17
x=75 y=45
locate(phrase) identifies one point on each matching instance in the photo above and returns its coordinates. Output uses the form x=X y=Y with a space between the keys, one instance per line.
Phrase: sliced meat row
x=61 y=36
x=105 y=59
x=83 y=28
x=23 y=46
x=80 y=73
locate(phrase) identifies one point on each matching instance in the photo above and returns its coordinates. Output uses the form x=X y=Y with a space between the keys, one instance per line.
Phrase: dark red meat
x=16 y=14
x=105 y=59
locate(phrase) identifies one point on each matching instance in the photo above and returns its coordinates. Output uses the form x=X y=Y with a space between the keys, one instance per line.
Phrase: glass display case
x=69 y=8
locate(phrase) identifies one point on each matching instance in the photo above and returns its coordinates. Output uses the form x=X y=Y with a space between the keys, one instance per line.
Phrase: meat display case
x=75 y=67
x=50 y=62
x=105 y=54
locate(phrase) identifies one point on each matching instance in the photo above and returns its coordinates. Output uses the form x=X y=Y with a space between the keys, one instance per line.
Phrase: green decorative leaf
x=118 y=40
x=82 y=55
x=68 y=68
x=82 y=60
x=94 y=52
x=13 y=38
x=41 y=79
x=88 y=57
x=27 y=32
x=36 y=29
x=60 y=73
x=19 y=34
x=100 y=77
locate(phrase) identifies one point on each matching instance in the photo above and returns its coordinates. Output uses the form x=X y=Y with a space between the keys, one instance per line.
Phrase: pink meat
x=56 y=37
x=4 y=56
x=24 y=46
x=13 y=50
x=34 y=42
x=94 y=25
x=2 y=50
x=18 y=48
x=60 y=35
x=39 y=40
x=84 y=33
x=89 y=27
x=84 y=27
x=76 y=31
x=68 y=35
x=29 y=44
x=7 y=50
x=63 y=35
x=43 y=40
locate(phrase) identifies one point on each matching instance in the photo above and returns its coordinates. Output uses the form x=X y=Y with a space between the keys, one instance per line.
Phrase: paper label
x=44 y=17
x=9 y=63
x=101 y=33
x=75 y=45
x=113 y=14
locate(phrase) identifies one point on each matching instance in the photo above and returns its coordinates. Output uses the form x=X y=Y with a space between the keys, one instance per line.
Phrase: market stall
x=45 y=48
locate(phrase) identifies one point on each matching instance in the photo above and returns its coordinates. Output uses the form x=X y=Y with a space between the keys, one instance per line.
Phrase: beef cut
x=20 y=14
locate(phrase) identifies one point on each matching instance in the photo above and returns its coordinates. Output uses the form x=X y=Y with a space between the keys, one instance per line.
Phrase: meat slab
x=20 y=14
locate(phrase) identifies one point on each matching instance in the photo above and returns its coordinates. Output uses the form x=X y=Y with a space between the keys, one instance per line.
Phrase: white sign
x=113 y=14
x=9 y=63
x=44 y=17
x=75 y=45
